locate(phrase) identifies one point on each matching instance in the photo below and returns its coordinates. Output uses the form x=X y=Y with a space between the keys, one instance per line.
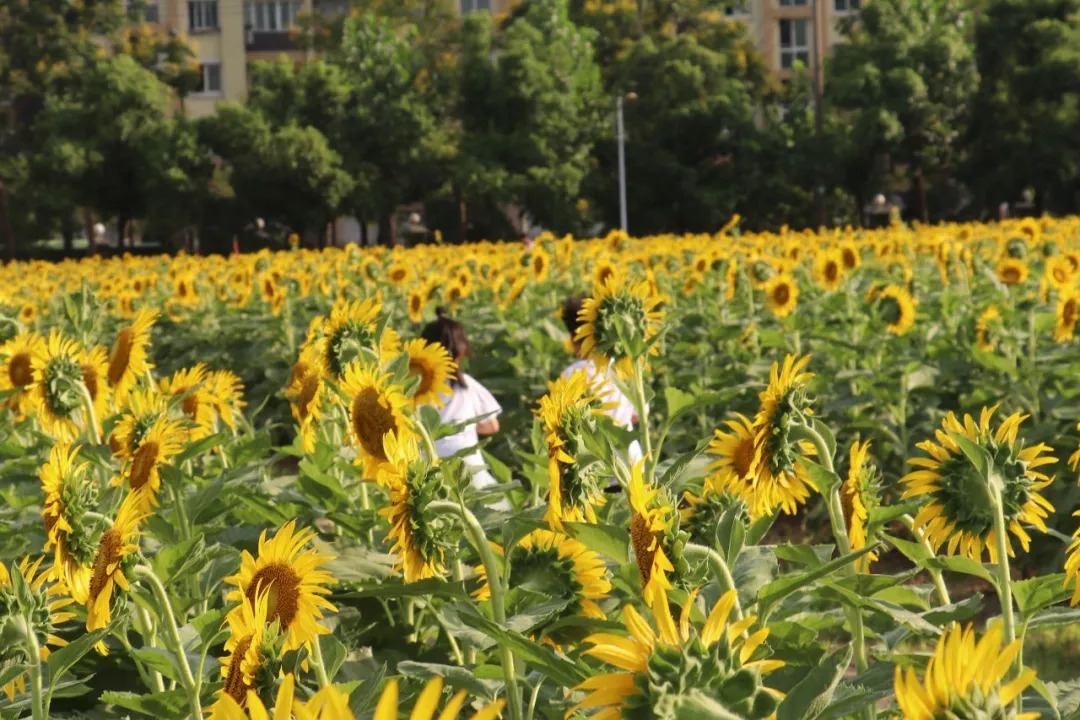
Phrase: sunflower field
x=854 y=496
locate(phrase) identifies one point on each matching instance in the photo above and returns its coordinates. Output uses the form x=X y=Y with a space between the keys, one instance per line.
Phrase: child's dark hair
x=451 y=335
x=571 y=308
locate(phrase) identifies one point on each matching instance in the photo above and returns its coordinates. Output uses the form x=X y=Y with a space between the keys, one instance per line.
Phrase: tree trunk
x=920 y=196
x=67 y=230
x=88 y=223
x=363 y=231
x=5 y=223
x=387 y=231
x=463 y=216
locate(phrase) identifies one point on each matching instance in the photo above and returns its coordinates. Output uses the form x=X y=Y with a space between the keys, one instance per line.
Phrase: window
x=470 y=5
x=794 y=43
x=202 y=15
x=843 y=6
x=793 y=3
x=143 y=10
x=738 y=9
x=271 y=15
x=210 y=81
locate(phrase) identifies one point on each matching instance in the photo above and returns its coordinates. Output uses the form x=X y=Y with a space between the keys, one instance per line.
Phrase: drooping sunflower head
x=128 y=361
x=354 y=332
x=255 y=642
x=829 y=269
x=700 y=515
x=95 y=370
x=781 y=294
x=161 y=442
x=860 y=496
x=420 y=535
x=737 y=457
x=896 y=308
x=24 y=593
x=779 y=479
x=988 y=328
x=681 y=670
x=618 y=322
x=1068 y=310
x=57 y=389
x=72 y=535
x=290 y=573
x=140 y=411
x=113 y=561
x=426 y=704
x=16 y=368
x=376 y=408
x=964 y=679
x=957 y=495
x=225 y=393
x=433 y=367
x=567 y=413
x=655 y=535
x=1012 y=271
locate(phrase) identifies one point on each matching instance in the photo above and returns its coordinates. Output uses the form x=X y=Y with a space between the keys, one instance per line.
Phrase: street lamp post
x=621 y=139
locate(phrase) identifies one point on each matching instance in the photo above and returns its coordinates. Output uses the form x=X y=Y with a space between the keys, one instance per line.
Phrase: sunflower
x=290 y=573
x=352 y=332
x=244 y=659
x=829 y=270
x=305 y=390
x=188 y=385
x=69 y=495
x=988 y=321
x=128 y=360
x=849 y=256
x=539 y=264
x=603 y=270
x=16 y=368
x=142 y=470
x=514 y=291
x=1068 y=308
x=652 y=526
x=731 y=278
x=896 y=307
x=420 y=536
x=142 y=409
x=782 y=294
x=112 y=560
x=681 y=670
x=376 y=408
x=964 y=678
x=95 y=372
x=560 y=567
x=958 y=506
x=416 y=306
x=398 y=274
x=225 y=393
x=780 y=480
x=860 y=495
x=1059 y=272
x=699 y=515
x=737 y=458
x=329 y=703
x=185 y=291
x=618 y=323
x=1012 y=271
x=1072 y=554
x=57 y=390
x=432 y=365
x=566 y=413
x=46 y=612
x=428 y=702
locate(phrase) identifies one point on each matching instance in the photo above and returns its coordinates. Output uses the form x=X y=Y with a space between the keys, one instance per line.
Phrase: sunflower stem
x=319 y=663
x=478 y=539
x=643 y=415
x=91 y=418
x=143 y=572
x=36 y=704
x=149 y=633
x=719 y=566
x=429 y=444
x=459 y=577
x=365 y=505
x=939 y=581
x=1004 y=579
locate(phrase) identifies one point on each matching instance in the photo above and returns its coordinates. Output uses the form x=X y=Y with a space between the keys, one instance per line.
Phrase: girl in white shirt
x=468 y=399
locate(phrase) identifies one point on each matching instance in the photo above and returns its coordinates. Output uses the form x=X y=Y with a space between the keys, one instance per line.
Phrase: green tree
x=1023 y=133
x=904 y=80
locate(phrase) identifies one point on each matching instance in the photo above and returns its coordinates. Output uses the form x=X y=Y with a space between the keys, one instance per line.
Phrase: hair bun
x=440 y=312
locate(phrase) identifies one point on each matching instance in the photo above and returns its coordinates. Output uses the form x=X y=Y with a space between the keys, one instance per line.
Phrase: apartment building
x=230 y=34
x=794 y=31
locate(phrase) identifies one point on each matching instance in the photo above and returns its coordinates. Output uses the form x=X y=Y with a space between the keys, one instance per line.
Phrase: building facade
x=791 y=32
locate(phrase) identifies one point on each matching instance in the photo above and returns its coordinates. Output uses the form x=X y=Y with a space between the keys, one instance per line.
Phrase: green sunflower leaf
x=608 y=540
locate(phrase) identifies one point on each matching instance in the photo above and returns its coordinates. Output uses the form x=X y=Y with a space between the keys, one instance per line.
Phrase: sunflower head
x=618 y=322
x=860 y=496
x=17 y=368
x=71 y=527
x=1012 y=271
x=655 y=536
x=355 y=331
x=58 y=385
x=432 y=367
x=782 y=294
x=426 y=704
x=682 y=670
x=128 y=360
x=964 y=679
x=253 y=651
x=377 y=408
x=959 y=494
x=420 y=535
x=700 y=515
x=1068 y=310
x=28 y=605
x=113 y=561
x=896 y=308
x=988 y=328
x=830 y=268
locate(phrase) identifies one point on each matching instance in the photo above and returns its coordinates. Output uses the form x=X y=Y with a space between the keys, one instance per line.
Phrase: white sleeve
x=484 y=403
